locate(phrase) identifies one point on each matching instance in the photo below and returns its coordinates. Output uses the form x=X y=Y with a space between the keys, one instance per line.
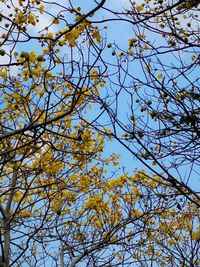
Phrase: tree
x=157 y=76
x=63 y=202
x=45 y=147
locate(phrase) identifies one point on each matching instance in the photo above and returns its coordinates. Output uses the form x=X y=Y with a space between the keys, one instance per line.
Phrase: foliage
x=63 y=200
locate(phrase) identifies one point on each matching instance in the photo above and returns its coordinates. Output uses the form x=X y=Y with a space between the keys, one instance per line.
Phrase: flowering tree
x=62 y=201
x=157 y=78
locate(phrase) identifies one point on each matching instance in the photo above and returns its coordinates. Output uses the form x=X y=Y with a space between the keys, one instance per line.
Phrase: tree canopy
x=73 y=92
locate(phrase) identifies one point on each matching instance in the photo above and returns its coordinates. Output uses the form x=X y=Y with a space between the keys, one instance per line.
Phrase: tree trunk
x=4 y=259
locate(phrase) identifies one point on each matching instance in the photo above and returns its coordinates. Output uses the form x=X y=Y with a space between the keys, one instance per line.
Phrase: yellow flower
x=193 y=57
x=41 y=9
x=32 y=56
x=31 y=19
x=21 y=17
x=139 y=8
x=96 y=36
x=55 y=21
x=147 y=68
x=40 y=92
